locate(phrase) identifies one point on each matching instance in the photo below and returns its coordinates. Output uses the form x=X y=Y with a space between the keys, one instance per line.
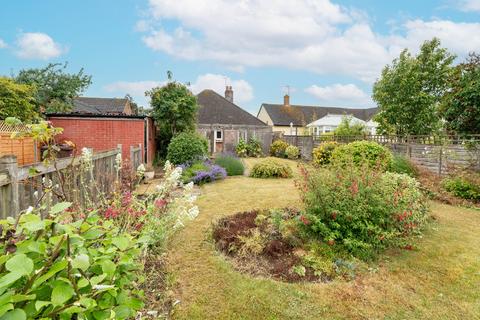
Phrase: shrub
x=400 y=164
x=323 y=153
x=232 y=164
x=271 y=168
x=462 y=187
x=361 y=210
x=278 y=147
x=186 y=147
x=359 y=152
x=251 y=149
x=292 y=152
x=202 y=172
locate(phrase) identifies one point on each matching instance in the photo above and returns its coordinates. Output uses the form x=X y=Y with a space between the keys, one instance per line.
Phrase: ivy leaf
x=17 y=314
x=61 y=293
x=81 y=262
x=121 y=243
x=20 y=264
x=59 y=207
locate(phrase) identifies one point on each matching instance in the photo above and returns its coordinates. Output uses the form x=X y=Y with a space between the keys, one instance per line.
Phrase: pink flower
x=304 y=220
x=111 y=213
x=126 y=199
x=160 y=203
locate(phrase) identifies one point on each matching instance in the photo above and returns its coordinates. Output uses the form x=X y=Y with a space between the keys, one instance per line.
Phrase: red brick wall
x=102 y=133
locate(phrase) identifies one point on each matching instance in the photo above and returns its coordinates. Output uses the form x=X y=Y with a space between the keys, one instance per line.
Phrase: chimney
x=229 y=93
x=286 y=100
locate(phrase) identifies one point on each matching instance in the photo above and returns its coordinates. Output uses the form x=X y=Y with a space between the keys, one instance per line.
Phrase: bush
x=360 y=210
x=462 y=187
x=292 y=152
x=323 y=153
x=400 y=164
x=359 y=152
x=186 y=147
x=202 y=172
x=277 y=148
x=232 y=165
x=251 y=149
x=271 y=168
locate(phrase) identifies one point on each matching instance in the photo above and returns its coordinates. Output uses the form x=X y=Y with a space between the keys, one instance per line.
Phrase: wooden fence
x=24 y=148
x=438 y=154
x=21 y=186
x=136 y=156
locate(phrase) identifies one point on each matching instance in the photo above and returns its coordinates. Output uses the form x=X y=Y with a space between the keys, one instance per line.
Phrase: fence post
x=9 y=163
x=440 y=159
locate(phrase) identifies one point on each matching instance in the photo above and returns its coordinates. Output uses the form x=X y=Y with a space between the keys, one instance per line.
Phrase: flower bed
x=202 y=172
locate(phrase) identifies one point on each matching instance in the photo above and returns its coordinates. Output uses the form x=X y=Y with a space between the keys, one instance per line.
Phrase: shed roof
x=99 y=105
x=215 y=109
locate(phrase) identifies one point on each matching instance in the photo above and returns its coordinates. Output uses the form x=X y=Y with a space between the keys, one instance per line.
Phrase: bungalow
x=303 y=120
x=224 y=123
x=105 y=123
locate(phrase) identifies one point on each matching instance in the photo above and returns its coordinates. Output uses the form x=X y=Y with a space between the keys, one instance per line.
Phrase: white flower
x=103 y=286
x=29 y=210
x=35 y=194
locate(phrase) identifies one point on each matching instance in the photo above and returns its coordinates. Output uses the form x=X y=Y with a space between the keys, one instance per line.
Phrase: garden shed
x=224 y=123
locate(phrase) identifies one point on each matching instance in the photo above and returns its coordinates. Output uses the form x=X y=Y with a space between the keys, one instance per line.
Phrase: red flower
x=160 y=203
x=354 y=188
x=126 y=199
x=334 y=215
x=111 y=213
x=331 y=242
x=304 y=220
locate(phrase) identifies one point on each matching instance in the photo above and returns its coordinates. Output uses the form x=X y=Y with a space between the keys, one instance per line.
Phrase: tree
x=348 y=127
x=56 y=88
x=410 y=90
x=17 y=100
x=174 y=109
x=461 y=107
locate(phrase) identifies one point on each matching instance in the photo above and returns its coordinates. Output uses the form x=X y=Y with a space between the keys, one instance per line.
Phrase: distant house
x=330 y=122
x=103 y=124
x=111 y=106
x=224 y=123
x=301 y=120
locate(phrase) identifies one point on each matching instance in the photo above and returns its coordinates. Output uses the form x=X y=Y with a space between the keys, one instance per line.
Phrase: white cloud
x=343 y=95
x=134 y=88
x=317 y=36
x=470 y=5
x=242 y=90
x=3 y=44
x=36 y=45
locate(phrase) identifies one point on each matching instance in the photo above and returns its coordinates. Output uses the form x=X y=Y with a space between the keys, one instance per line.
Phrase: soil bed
x=276 y=258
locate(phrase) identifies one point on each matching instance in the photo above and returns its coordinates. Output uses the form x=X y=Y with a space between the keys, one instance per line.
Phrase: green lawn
x=440 y=280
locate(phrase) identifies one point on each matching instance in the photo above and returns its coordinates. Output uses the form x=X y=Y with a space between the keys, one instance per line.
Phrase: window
x=327 y=129
x=242 y=135
x=218 y=135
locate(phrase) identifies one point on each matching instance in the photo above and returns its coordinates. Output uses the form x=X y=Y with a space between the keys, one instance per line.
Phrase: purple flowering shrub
x=202 y=172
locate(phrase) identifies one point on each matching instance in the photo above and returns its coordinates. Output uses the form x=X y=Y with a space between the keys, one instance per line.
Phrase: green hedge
x=186 y=147
x=271 y=168
x=363 y=152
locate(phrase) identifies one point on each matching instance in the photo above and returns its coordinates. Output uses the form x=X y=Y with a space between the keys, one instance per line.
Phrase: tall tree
x=461 y=107
x=56 y=88
x=174 y=108
x=410 y=90
x=17 y=100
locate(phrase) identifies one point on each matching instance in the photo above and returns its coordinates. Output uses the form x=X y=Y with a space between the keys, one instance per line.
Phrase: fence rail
x=417 y=139
x=21 y=186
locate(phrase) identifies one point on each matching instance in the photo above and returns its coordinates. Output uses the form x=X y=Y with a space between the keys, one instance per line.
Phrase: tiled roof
x=99 y=105
x=215 y=109
x=282 y=115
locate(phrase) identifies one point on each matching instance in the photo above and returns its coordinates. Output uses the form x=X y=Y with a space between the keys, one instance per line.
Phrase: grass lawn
x=439 y=280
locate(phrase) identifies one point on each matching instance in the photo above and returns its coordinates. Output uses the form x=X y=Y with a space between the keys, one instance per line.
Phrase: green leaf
x=22 y=297
x=87 y=302
x=40 y=304
x=74 y=309
x=108 y=267
x=121 y=243
x=56 y=267
x=32 y=222
x=5 y=308
x=8 y=279
x=81 y=261
x=59 y=207
x=82 y=283
x=123 y=312
x=17 y=314
x=61 y=293
x=20 y=263
x=97 y=279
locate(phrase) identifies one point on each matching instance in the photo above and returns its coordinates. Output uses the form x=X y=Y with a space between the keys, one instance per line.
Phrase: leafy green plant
x=361 y=210
x=463 y=187
x=252 y=148
x=232 y=164
x=292 y=152
x=323 y=153
x=400 y=164
x=349 y=127
x=241 y=149
x=360 y=152
x=187 y=147
x=271 y=168
x=278 y=147
x=67 y=265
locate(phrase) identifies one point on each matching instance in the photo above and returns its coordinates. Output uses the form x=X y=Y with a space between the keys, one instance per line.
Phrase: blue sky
x=329 y=52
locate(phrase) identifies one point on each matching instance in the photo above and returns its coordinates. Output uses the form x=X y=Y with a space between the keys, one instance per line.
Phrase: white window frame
x=221 y=135
x=242 y=135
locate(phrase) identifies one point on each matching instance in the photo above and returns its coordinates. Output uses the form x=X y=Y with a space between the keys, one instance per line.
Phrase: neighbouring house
x=291 y=119
x=224 y=123
x=103 y=124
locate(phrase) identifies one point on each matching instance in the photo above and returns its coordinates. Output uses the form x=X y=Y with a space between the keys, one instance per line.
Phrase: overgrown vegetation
x=271 y=168
x=17 y=100
x=464 y=186
x=233 y=165
x=360 y=152
x=349 y=127
x=187 y=147
x=252 y=148
x=278 y=147
x=200 y=172
x=292 y=152
x=322 y=154
x=401 y=164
